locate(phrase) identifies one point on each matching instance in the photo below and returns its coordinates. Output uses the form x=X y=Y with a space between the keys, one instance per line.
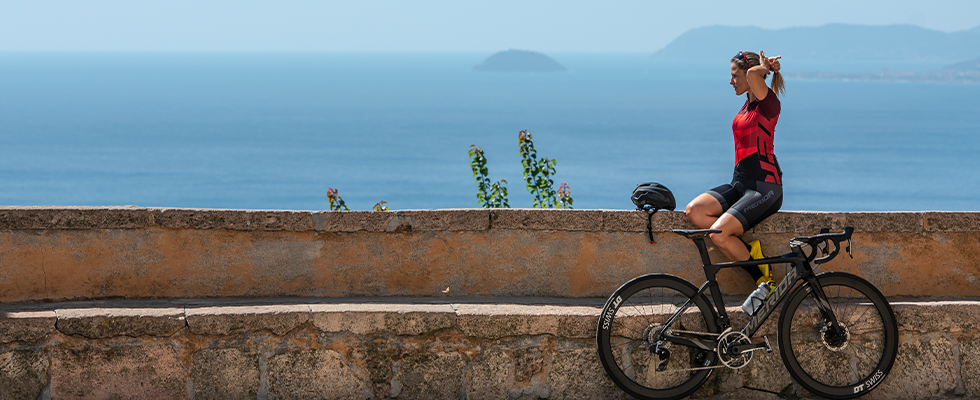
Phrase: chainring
x=725 y=343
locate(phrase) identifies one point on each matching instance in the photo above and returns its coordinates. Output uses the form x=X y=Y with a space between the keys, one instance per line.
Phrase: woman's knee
x=700 y=210
x=698 y=215
x=691 y=210
x=729 y=226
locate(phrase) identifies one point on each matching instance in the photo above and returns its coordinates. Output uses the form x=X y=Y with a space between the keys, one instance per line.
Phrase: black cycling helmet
x=653 y=196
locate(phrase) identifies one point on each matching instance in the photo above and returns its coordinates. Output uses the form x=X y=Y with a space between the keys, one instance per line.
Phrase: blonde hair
x=749 y=60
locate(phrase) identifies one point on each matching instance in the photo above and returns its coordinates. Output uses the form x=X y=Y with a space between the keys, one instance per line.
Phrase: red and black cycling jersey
x=754 y=128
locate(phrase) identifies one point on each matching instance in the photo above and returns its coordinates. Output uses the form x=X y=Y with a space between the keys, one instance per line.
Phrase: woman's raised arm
x=757 y=75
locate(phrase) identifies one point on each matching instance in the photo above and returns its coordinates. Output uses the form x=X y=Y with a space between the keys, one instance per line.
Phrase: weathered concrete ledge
x=400 y=348
x=132 y=217
x=56 y=254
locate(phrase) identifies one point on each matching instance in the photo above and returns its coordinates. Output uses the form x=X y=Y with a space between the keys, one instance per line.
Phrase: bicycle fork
x=833 y=331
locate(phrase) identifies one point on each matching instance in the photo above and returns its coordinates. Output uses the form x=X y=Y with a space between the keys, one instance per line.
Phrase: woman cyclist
x=756 y=191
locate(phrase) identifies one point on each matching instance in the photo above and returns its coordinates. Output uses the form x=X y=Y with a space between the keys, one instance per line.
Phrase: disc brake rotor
x=835 y=342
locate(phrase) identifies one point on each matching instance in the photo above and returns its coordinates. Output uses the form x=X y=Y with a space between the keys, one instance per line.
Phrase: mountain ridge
x=831 y=42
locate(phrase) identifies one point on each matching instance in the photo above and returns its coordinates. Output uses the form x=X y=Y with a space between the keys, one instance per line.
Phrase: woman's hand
x=756 y=75
x=769 y=63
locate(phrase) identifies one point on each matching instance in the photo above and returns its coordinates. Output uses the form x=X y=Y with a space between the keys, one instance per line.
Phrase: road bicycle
x=660 y=338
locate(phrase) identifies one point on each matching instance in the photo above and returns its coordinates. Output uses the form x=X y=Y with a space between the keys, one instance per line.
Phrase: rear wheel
x=838 y=365
x=628 y=327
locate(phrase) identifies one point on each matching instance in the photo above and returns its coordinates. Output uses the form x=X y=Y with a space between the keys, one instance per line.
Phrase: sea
x=276 y=130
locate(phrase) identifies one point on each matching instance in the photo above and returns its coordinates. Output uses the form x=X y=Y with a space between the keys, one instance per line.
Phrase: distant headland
x=519 y=61
x=828 y=43
x=838 y=43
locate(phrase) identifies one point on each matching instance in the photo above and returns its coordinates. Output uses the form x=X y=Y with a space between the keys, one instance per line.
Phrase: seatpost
x=703 y=249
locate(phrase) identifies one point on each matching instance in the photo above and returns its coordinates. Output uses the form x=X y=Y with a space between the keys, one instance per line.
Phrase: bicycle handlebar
x=816 y=240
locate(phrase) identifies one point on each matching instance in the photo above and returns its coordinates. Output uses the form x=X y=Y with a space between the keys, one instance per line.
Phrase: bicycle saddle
x=691 y=233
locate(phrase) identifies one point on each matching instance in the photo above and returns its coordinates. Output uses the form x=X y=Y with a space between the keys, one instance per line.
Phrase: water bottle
x=755 y=300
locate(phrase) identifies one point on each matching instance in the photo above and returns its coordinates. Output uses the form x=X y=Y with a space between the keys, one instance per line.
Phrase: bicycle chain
x=711 y=367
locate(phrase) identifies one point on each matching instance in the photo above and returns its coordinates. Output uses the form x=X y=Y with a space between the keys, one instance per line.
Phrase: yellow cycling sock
x=755 y=251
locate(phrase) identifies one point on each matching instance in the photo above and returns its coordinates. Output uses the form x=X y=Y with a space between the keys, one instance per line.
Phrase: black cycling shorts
x=749 y=205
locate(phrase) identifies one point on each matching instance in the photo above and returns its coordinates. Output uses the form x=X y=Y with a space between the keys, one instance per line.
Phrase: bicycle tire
x=845 y=367
x=643 y=303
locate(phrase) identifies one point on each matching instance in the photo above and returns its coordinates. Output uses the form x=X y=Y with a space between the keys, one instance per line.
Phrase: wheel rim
x=632 y=365
x=844 y=364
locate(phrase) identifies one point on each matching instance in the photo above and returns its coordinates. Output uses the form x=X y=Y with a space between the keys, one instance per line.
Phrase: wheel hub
x=651 y=335
x=834 y=341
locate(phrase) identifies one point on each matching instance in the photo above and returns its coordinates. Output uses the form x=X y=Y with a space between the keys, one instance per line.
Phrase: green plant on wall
x=381 y=206
x=537 y=173
x=489 y=195
x=565 y=196
x=336 y=202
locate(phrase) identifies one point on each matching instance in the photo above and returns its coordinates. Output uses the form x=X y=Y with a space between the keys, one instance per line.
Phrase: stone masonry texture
x=130 y=302
x=414 y=349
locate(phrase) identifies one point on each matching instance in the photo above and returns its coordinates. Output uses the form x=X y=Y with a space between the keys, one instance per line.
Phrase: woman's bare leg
x=728 y=241
x=703 y=211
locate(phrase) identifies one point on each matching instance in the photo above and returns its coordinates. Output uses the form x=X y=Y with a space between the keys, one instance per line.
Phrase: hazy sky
x=428 y=25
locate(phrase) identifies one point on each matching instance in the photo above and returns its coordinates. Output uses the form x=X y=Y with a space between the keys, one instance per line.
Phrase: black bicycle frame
x=801 y=270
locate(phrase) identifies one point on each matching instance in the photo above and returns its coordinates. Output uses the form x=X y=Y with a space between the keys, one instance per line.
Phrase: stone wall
x=469 y=304
x=55 y=254
x=402 y=349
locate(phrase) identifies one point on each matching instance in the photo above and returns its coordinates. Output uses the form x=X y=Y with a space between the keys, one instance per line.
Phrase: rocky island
x=519 y=61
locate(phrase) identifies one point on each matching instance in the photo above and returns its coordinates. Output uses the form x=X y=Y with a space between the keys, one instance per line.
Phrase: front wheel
x=845 y=364
x=627 y=335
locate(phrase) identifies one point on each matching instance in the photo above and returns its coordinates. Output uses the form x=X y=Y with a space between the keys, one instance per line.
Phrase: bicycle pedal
x=768 y=346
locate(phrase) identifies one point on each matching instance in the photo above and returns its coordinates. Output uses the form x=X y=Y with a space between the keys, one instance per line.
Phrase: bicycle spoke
x=833 y=361
x=636 y=323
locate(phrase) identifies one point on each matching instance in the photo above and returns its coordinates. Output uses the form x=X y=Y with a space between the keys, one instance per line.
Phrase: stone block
x=918 y=353
x=26 y=326
x=624 y=221
x=47 y=218
x=489 y=376
x=636 y=221
x=546 y=219
x=223 y=321
x=937 y=316
x=801 y=223
x=428 y=375
x=493 y=322
x=239 y=220
x=352 y=221
x=503 y=320
x=765 y=372
x=121 y=371
x=317 y=374
x=969 y=355
x=396 y=319
x=528 y=367
x=873 y=222
x=940 y=222
x=447 y=220
x=23 y=374
x=96 y=323
x=576 y=373
x=225 y=374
